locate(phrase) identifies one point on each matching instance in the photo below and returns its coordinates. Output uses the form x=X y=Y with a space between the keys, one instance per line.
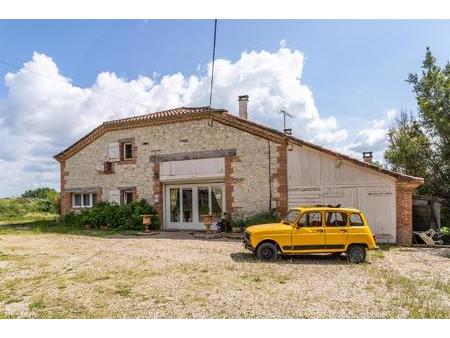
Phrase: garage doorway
x=185 y=203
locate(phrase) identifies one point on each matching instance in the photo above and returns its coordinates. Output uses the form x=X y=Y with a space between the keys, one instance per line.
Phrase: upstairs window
x=128 y=151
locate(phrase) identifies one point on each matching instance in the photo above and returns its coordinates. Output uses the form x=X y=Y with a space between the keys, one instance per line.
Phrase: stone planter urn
x=207 y=221
x=146 y=221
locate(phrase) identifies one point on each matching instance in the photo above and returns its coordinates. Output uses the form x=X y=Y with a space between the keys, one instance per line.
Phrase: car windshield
x=291 y=217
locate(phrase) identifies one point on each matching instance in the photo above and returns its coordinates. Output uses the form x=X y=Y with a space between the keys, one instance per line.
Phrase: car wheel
x=356 y=254
x=267 y=252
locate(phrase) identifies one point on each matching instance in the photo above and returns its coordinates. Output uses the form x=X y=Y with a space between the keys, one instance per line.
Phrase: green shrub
x=255 y=219
x=114 y=216
x=19 y=207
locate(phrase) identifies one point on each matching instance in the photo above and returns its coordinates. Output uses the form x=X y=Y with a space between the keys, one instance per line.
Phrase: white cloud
x=372 y=138
x=44 y=112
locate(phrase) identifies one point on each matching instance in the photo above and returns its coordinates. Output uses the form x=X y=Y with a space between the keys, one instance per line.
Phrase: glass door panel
x=216 y=203
x=203 y=202
x=174 y=204
x=187 y=204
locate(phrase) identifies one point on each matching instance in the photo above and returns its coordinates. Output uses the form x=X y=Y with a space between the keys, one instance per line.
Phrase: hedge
x=114 y=216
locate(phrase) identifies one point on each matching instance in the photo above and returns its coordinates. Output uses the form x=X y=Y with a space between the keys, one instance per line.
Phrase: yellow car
x=318 y=229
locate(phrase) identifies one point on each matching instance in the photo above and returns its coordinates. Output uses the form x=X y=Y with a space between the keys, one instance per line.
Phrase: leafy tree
x=421 y=146
x=409 y=149
x=42 y=193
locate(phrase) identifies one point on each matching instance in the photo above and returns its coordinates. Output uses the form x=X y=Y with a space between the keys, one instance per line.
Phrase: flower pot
x=207 y=221
x=146 y=221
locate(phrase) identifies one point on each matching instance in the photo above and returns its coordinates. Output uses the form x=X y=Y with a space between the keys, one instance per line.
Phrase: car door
x=336 y=230
x=309 y=235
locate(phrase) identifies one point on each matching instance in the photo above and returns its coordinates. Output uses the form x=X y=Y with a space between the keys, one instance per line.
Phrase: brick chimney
x=243 y=102
x=367 y=156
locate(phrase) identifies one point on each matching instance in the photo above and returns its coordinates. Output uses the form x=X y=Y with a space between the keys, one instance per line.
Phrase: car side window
x=356 y=220
x=311 y=219
x=336 y=219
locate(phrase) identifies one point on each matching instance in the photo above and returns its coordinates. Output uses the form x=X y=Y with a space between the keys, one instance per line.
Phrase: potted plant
x=207 y=221
x=146 y=221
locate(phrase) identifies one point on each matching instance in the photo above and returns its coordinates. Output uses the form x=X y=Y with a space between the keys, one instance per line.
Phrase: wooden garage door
x=376 y=201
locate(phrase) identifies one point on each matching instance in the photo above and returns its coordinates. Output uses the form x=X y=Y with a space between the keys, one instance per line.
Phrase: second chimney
x=367 y=156
x=243 y=102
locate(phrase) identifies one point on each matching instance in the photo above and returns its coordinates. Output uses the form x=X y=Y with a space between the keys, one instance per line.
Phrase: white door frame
x=196 y=223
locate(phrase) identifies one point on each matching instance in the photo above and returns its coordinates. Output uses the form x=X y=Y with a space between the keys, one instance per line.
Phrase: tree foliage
x=42 y=193
x=421 y=147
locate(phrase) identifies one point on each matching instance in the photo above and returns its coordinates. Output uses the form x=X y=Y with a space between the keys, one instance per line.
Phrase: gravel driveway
x=67 y=276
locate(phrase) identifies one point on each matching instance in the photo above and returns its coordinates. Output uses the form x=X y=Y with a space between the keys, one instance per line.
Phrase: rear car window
x=311 y=219
x=336 y=219
x=356 y=220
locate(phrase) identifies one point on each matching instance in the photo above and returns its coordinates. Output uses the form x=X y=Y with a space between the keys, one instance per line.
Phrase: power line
x=96 y=91
x=213 y=59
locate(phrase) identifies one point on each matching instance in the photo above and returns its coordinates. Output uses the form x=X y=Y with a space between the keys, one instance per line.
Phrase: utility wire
x=213 y=59
x=96 y=91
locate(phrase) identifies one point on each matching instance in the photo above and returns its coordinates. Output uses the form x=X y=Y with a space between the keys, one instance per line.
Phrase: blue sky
x=354 y=71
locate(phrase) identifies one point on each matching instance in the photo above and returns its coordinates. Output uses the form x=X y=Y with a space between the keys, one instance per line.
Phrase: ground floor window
x=83 y=200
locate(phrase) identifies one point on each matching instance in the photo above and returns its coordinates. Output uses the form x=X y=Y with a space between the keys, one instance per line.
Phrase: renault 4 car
x=313 y=229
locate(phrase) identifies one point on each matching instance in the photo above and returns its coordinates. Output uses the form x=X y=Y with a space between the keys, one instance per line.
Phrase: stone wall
x=249 y=169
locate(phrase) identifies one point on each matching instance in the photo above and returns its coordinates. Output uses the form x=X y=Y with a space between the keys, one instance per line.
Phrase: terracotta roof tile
x=164 y=113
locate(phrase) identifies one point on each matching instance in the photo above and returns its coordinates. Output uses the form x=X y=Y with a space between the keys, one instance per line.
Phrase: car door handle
x=319 y=230
x=342 y=230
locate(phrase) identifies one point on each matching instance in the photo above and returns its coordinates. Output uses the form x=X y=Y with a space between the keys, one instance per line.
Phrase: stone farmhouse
x=192 y=161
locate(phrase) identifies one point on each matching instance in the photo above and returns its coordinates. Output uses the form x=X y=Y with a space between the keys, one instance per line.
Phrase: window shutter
x=100 y=167
x=114 y=151
x=114 y=196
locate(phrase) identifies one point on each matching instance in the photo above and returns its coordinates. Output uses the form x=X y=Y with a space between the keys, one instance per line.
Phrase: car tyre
x=267 y=252
x=356 y=254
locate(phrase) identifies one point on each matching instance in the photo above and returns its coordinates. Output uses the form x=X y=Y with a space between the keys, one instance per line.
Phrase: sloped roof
x=220 y=115
x=164 y=113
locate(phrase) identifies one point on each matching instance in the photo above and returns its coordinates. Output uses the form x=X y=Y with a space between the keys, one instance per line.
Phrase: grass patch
x=419 y=298
x=123 y=290
x=36 y=305
x=36 y=227
x=379 y=254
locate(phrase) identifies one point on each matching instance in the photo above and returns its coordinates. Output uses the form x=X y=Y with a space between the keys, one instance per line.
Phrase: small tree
x=42 y=193
x=432 y=90
x=409 y=149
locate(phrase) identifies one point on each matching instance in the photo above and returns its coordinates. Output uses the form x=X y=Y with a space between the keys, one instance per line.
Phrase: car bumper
x=248 y=246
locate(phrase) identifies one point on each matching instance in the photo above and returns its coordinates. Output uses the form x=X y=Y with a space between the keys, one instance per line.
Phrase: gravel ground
x=174 y=275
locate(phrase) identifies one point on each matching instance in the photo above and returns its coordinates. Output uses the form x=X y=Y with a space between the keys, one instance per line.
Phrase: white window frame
x=82 y=200
x=124 y=196
x=125 y=151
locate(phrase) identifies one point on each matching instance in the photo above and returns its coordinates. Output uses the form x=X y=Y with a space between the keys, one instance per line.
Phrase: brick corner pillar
x=282 y=179
x=404 y=193
x=157 y=192
x=65 y=202
x=229 y=184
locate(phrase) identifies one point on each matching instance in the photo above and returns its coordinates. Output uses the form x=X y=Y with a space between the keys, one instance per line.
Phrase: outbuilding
x=191 y=161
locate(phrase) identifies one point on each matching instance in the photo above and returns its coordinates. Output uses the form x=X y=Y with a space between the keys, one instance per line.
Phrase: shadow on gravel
x=318 y=259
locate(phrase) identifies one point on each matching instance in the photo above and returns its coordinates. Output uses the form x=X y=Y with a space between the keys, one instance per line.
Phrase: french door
x=184 y=204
